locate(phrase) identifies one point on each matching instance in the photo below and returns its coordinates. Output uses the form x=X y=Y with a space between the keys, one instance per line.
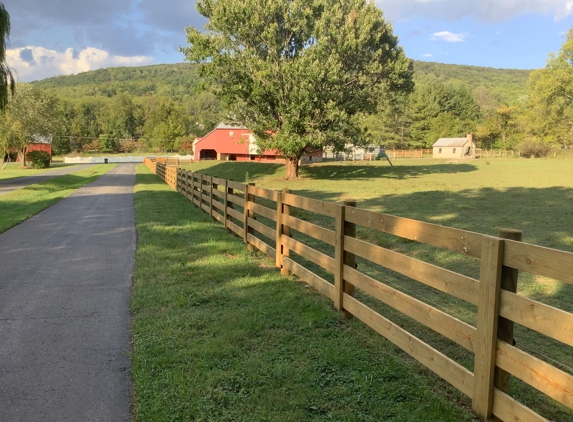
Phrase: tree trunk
x=291 y=168
x=22 y=154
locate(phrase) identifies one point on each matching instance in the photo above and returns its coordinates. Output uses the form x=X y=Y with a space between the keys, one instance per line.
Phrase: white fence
x=118 y=159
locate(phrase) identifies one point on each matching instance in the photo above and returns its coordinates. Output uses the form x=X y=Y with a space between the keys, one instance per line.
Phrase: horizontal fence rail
x=262 y=218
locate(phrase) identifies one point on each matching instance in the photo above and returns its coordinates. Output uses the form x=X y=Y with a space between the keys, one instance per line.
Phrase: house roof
x=451 y=142
x=39 y=139
x=225 y=126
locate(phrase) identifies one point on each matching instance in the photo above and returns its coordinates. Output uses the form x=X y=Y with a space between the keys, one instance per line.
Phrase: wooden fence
x=494 y=153
x=262 y=218
x=408 y=153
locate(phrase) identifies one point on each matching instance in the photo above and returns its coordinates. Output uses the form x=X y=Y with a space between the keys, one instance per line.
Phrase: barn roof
x=451 y=142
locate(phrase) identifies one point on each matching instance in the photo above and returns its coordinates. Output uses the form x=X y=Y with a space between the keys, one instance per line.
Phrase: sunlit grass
x=534 y=196
x=219 y=335
x=13 y=170
x=21 y=204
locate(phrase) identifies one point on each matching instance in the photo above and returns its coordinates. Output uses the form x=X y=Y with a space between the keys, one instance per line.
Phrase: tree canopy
x=7 y=81
x=552 y=95
x=296 y=72
x=30 y=113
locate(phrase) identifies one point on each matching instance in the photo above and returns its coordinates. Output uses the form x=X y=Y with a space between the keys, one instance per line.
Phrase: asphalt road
x=9 y=185
x=65 y=280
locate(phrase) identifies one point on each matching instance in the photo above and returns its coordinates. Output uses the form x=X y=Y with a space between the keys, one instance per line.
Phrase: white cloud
x=427 y=55
x=33 y=63
x=448 y=36
x=481 y=10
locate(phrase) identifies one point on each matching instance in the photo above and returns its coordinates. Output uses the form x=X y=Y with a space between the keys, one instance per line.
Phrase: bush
x=533 y=149
x=39 y=159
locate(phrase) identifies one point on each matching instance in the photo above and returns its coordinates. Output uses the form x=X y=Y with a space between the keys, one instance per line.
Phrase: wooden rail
x=238 y=207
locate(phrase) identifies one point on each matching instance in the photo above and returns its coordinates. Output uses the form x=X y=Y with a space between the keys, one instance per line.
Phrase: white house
x=454 y=148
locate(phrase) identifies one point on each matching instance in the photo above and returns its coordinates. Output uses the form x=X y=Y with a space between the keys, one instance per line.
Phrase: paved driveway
x=65 y=280
x=9 y=185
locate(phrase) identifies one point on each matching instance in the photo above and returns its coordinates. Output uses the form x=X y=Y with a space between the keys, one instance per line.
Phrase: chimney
x=470 y=138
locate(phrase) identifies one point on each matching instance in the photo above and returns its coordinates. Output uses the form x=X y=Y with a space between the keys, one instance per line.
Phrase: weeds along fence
x=262 y=218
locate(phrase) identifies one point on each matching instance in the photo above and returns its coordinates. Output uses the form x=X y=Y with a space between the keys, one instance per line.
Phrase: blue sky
x=52 y=37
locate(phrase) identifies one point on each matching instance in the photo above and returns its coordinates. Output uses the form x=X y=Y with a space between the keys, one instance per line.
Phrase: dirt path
x=9 y=185
x=65 y=279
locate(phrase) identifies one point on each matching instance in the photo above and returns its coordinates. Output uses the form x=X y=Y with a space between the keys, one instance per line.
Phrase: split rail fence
x=262 y=218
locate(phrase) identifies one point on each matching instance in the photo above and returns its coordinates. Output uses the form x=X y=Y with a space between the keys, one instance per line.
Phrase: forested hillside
x=159 y=108
x=178 y=80
x=508 y=84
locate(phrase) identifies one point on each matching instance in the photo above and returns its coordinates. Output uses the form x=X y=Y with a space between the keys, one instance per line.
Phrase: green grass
x=21 y=204
x=219 y=335
x=534 y=196
x=13 y=170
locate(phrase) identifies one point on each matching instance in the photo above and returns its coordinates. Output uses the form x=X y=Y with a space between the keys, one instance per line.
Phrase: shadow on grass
x=345 y=171
x=220 y=335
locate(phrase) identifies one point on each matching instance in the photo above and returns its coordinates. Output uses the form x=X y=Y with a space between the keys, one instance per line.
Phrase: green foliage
x=39 y=159
x=31 y=112
x=551 y=102
x=533 y=149
x=7 y=80
x=108 y=143
x=297 y=72
x=165 y=121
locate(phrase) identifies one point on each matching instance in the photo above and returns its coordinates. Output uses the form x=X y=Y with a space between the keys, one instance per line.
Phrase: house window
x=454 y=150
x=440 y=151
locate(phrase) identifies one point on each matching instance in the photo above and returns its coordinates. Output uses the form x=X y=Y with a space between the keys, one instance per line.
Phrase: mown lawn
x=21 y=204
x=14 y=170
x=533 y=195
x=219 y=335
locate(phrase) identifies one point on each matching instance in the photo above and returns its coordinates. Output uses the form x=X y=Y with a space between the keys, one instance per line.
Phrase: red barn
x=40 y=143
x=237 y=143
x=232 y=143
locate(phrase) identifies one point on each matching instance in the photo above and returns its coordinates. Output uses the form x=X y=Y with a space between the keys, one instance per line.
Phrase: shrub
x=533 y=149
x=39 y=159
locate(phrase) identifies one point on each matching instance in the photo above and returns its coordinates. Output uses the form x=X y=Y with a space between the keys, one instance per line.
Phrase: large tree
x=7 y=81
x=551 y=96
x=30 y=113
x=296 y=72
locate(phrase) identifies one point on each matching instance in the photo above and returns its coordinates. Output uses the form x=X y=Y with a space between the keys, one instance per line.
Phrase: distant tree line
x=159 y=108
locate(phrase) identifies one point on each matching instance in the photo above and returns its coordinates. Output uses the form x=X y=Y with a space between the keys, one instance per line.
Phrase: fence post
x=279 y=256
x=348 y=258
x=230 y=191
x=285 y=231
x=214 y=187
x=248 y=214
x=339 y=257
x=487 y=323
x=225 y=216
x=509 y=277
x=211 y=196
x=177 y=175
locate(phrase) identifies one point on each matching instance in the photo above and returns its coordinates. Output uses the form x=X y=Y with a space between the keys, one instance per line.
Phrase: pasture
x=13 y=170
x=534 y=196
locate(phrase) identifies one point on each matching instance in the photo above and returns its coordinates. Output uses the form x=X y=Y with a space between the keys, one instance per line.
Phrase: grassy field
x=219 y=335
x=535 y=196
x=13 y=170
x=22 y=204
